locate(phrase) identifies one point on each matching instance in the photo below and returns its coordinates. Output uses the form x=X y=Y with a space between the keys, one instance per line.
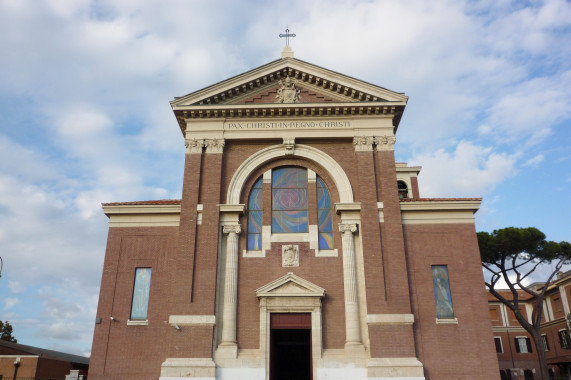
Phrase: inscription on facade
x=287 y=124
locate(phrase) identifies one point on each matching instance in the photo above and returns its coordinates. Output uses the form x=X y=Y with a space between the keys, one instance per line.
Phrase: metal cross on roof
x=287 y=35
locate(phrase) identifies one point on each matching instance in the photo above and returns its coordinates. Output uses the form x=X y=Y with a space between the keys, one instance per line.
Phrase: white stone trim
x=192 y=320
x=199 y=209
x=439 y=212
x=137 y=322
x=446 y=321
x=311 y=237
x=143 y=215
x=390 y=319
x=381 y=209
x=257 y=159
x=395 y=368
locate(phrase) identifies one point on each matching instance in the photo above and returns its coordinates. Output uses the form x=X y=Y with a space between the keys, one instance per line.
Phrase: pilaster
x=373 y=254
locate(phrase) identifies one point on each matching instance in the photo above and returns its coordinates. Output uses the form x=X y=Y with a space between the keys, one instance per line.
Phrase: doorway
x=290 y=346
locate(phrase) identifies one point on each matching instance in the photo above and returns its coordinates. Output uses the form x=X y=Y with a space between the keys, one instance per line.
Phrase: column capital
x=214 y=145
x=385 y=143
x=347 y=227
x=363 y=143
x=232 y=228
x=194 y=146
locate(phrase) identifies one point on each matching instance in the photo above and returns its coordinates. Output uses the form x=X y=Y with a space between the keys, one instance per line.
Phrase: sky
x=85 y=118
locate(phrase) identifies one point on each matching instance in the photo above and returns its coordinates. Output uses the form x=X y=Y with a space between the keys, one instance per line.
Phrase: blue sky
x=85 y=118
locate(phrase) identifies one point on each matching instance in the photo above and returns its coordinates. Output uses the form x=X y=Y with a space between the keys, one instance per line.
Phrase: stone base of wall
x=395 y=368
x=183 y=368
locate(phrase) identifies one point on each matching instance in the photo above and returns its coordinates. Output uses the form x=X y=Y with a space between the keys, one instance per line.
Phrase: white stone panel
x=341 y=373
x=240 y=374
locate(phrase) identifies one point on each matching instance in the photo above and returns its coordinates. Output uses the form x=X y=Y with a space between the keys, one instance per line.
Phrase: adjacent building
x=299 y=249
x=20 y=361
x=516 y=352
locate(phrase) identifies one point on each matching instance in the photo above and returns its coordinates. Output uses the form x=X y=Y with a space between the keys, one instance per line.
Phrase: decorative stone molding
x=214 y=145
x=385 y=143
x=257 y=159
x=345 y=228
x=290 y=255
x=288 y=93
x=291 y=294
x=289 y=145
x=363 y=143
x=194 y=146
x=232 y=229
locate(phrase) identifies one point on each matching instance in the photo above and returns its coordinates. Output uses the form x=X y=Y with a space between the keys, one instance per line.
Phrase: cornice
x=302 y=71
x=140 y=209
x=444 y=205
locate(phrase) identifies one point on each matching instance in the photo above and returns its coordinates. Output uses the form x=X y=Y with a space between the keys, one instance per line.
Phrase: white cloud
x=469 y=171
x=16 y=287
x=534 y=161
x=10 y=302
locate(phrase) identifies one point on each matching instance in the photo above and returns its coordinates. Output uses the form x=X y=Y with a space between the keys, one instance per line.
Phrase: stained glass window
x=255 y=207
x=442 y=294
x=289 y=200
x=141 y=293
x=324 y=216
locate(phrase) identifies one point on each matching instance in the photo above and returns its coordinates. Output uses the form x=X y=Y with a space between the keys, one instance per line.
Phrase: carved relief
x=363 y=143
x=214 y=145
x=290 y=255
x=288 y=93
x=385 y=143
x=194 y=146
x=289 y=145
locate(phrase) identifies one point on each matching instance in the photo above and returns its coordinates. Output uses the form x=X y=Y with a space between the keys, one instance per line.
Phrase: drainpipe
x=16 y=365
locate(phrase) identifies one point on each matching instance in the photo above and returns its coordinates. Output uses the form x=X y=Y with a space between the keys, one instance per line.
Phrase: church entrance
x=290 y=346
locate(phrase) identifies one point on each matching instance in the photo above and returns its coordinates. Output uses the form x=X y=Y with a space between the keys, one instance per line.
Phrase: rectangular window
x=564 y=339
x=442 y=292
x=522 y=345
x=498 y=342
x=141 y=293
x=494 y=315
x=545 y=342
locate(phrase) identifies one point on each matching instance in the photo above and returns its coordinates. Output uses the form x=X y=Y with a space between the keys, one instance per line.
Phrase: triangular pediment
x=290 y=285
x=316 y=84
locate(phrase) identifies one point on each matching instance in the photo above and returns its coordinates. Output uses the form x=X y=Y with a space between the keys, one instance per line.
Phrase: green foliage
x=523 y=243
x=6 y=332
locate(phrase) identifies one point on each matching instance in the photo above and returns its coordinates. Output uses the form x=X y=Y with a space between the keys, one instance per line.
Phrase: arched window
x=290 y=207
x=289 y=200
x=403 y=189
x=255 y=209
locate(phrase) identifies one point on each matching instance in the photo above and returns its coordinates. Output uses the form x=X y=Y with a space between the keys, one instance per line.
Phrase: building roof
x=45 y=353
x=507 y=294
x=144 y=203
x=438 y=199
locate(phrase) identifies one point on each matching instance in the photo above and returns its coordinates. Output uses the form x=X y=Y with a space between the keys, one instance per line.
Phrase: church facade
x=299 y=250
